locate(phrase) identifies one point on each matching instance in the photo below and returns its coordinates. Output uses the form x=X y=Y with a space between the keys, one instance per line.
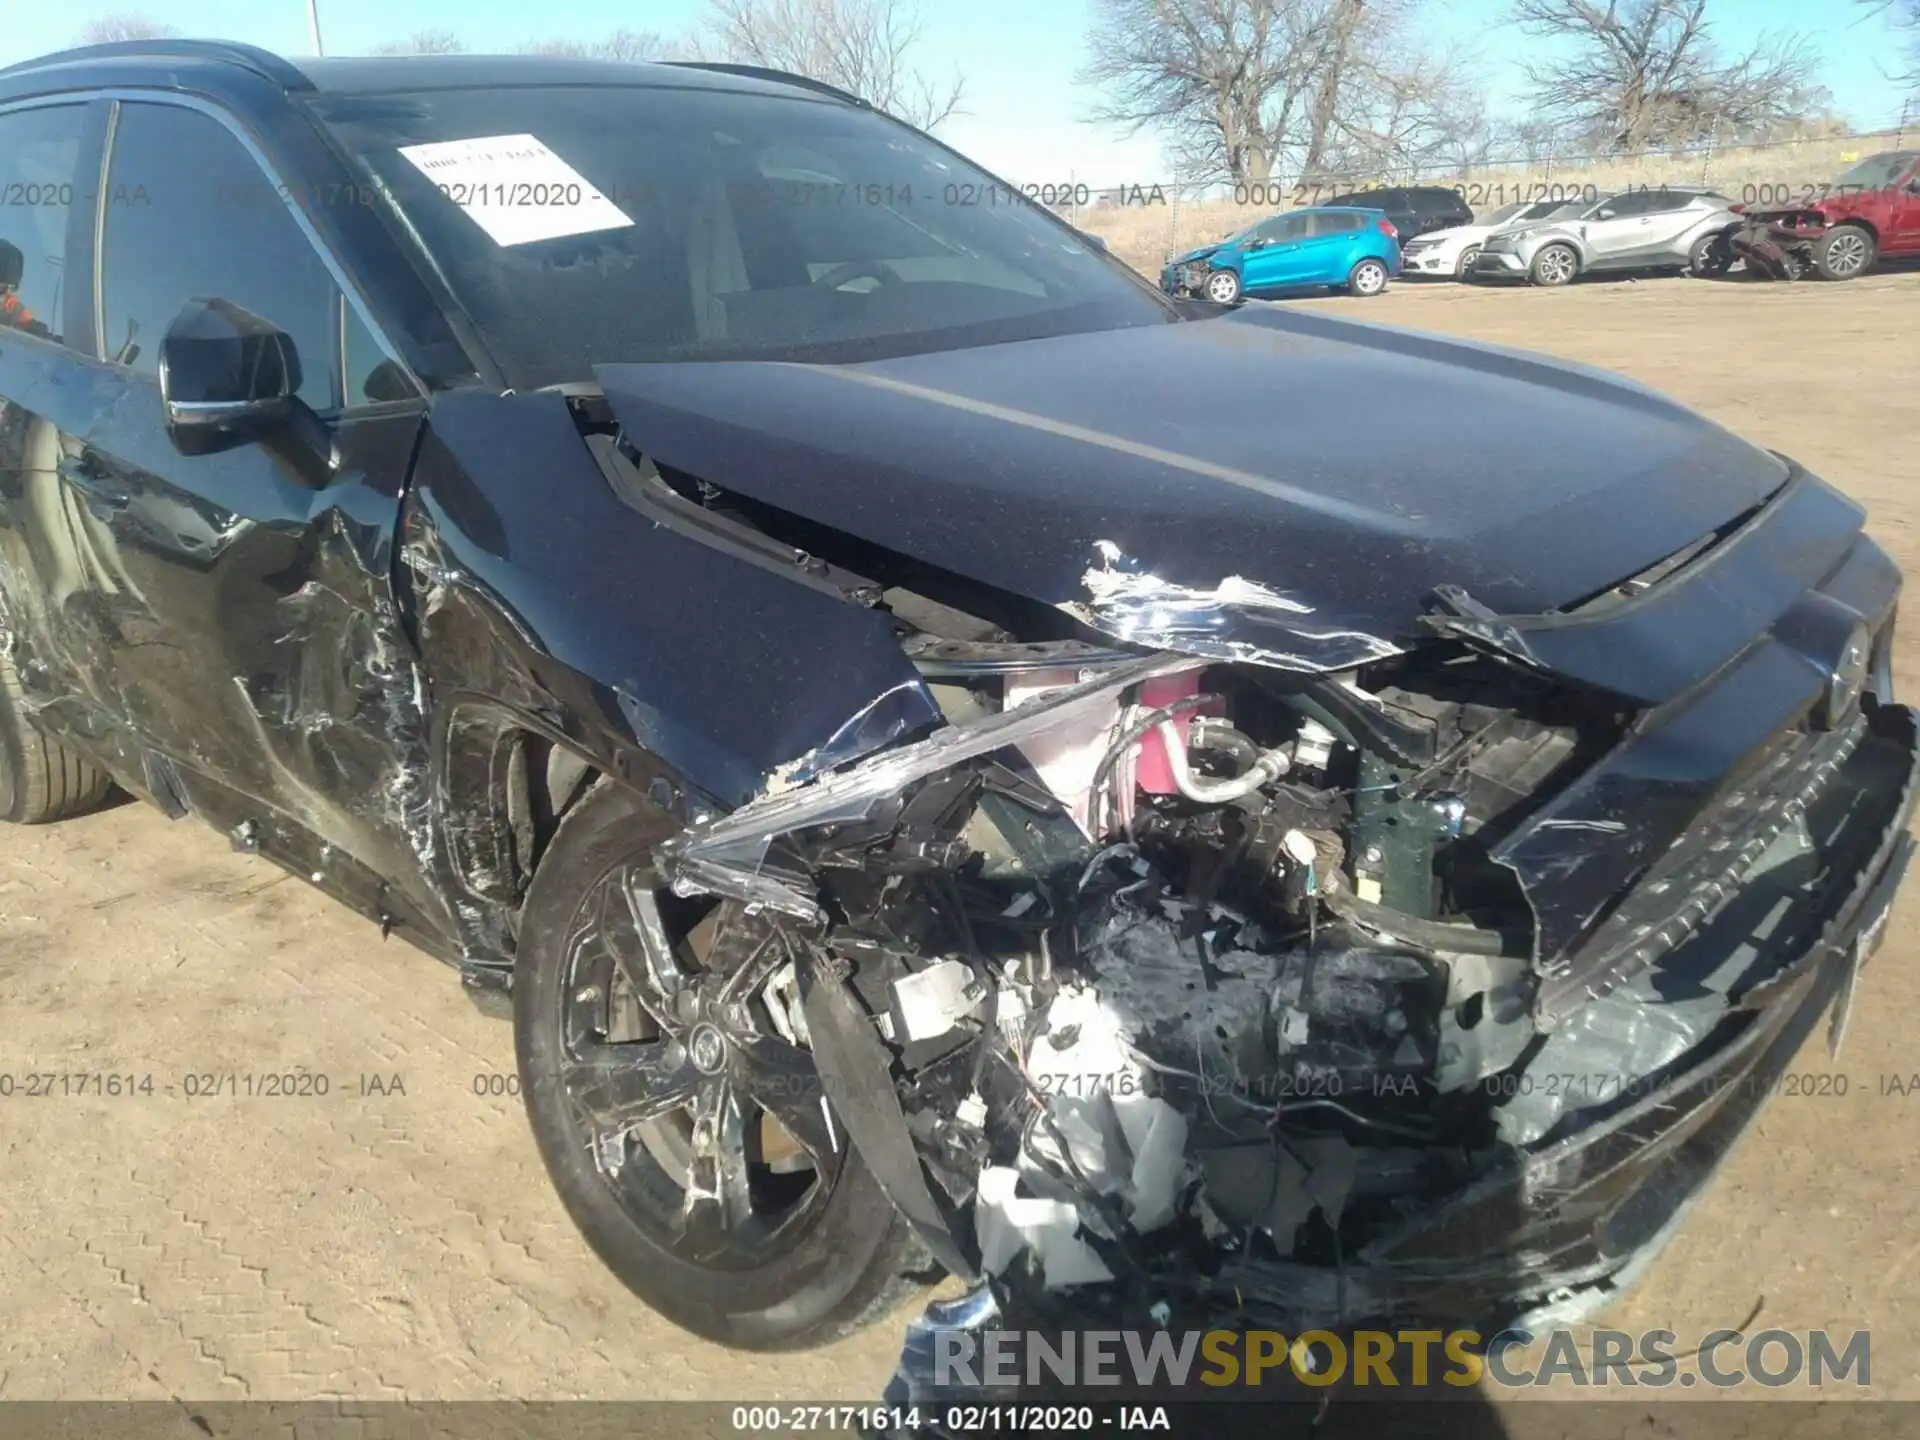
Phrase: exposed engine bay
x=1215 y=982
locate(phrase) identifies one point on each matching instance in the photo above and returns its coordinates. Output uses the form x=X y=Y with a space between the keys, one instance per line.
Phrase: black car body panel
x=1184 y=447
x=585 y=584
x=1589 y=659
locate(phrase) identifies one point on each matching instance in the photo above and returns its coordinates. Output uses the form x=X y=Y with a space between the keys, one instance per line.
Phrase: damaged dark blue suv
x=955 y=762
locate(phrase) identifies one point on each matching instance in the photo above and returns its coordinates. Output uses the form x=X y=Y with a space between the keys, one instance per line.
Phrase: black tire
x=1463 y=267
x=1845 y=252
x=1368 y=278
x=1711 y=256
x=840 y=1265
x=1554 y=265
x=41 y=780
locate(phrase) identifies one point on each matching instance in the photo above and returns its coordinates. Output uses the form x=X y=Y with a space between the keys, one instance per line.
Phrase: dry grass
x=1146 y=235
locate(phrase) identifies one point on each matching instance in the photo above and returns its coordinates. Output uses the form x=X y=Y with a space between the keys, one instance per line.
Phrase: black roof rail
x=765 y=72
x=232 y=52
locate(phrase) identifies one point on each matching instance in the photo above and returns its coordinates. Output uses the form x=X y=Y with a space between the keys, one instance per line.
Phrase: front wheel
x=1711 y=257
x=676 y=1104
x=1369 y=277
x=1464 y=269
x=41 y=780
x=1223 y=287
x=1844 y=252
x=1554 y=265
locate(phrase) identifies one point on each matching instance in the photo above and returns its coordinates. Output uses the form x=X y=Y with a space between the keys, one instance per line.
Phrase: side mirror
x=1604 y=214
x=1913 y=186
x=1099 y=242
x=226 y=369
x=227 y=377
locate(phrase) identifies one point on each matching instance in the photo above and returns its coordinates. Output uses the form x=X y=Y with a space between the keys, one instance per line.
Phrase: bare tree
x=1223 y=81
x=1634 y=74
x=1903 y=15
x=124 y=27
x=1243 y=89
x=863 y=46
x=424 y=42
x=627 y=46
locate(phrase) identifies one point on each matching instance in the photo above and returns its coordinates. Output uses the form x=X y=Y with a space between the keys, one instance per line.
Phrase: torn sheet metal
x=1237 y=619
x=727 y=856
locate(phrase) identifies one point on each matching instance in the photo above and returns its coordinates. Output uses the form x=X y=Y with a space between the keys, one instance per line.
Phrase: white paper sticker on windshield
x=515 y=188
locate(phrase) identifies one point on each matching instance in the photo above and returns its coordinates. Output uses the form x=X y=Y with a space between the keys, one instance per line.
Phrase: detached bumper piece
x=1779 y=247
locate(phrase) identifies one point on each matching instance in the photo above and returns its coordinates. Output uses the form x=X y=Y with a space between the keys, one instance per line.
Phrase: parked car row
x=1357 y=242
x=1352 y=242
x=1680 y=227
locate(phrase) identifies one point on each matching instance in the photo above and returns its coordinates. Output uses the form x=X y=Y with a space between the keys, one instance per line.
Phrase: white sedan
x=1452 y=251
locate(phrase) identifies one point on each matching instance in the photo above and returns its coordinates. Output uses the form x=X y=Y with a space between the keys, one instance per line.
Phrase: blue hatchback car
x=1349 y=249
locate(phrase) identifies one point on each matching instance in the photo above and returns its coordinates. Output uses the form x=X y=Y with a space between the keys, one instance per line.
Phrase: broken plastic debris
x=930 y=1002
x=1006 y=1223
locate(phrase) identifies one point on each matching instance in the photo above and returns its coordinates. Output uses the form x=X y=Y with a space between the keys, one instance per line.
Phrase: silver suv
x=1676 y=227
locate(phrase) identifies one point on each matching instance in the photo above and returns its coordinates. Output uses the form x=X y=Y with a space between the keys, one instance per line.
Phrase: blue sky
x=1027 y=118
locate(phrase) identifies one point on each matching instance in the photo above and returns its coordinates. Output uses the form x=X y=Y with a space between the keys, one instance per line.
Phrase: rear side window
x=1435 y=201
x=190 y=214
x=1334 y=222
x=1632 y=202
x=38 y=152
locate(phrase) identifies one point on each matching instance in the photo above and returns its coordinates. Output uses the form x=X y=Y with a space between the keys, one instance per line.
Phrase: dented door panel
x=242 y=622
x=66 y=586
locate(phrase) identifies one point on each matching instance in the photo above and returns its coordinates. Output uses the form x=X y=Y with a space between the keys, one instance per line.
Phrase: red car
x=1872 y=210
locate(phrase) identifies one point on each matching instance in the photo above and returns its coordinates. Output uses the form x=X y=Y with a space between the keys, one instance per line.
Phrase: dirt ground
x=397 y=1236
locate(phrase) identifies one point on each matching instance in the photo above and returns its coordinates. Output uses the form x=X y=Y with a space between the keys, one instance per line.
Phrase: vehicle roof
x=360 y=74
x=179 y=62
x=1382 y=189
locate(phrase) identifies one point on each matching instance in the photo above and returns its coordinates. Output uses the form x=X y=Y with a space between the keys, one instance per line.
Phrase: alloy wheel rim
x=685 y=1070
x=1221 y=288
x=1372 y=276
x=1847 y=254
x=1556 y=265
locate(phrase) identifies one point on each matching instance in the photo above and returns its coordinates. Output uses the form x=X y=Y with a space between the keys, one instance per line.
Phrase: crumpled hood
x=1202 y=253
x=1330 y=472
